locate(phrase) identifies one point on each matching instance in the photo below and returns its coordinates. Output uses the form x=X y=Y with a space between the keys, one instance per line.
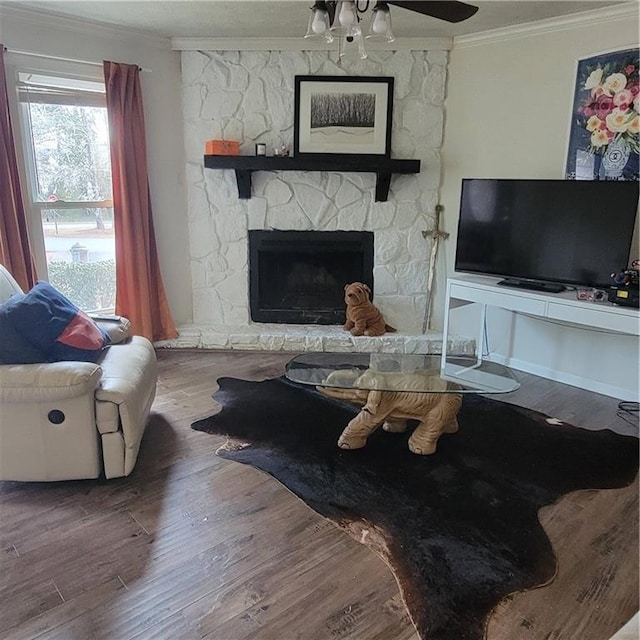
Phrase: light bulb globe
x=319 y=24
x=379 y=23
x=347 y=15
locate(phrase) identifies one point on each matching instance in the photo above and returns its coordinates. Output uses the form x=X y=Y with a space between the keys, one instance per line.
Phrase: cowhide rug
x=459 y=528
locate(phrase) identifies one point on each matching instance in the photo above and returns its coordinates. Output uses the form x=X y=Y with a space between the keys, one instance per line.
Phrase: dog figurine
x=363 y=318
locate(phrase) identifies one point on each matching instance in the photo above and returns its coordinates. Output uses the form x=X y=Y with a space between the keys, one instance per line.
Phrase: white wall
x=508 y=110
x=32 y=32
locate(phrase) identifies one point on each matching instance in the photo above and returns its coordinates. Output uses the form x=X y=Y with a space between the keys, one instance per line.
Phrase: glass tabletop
x=400 y=372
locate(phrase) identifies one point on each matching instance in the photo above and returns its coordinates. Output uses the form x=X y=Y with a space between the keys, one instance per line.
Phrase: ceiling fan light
x=319 y=26
x=361 y=50
x=354 y=31
x=343 y=24
x=347 y=15
x=351 y=48
x=380 y=28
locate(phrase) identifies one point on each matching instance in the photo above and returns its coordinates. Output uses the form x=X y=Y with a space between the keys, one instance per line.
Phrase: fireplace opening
x=298 y=277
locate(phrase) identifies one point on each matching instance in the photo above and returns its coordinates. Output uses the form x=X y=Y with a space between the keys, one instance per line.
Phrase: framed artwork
x=604 y=137
x=343 y=115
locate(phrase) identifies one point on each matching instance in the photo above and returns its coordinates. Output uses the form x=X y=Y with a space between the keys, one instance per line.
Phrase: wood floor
x=191 y=546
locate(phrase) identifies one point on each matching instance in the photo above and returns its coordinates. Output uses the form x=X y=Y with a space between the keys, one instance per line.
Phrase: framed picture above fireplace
x=343 y=115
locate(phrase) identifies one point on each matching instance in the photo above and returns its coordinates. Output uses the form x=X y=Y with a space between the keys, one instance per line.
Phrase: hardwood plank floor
x=191 y=546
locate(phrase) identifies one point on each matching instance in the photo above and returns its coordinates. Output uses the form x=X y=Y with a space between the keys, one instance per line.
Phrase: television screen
x=573 y=232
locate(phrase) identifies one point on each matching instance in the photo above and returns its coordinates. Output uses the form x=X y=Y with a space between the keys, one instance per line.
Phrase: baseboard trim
x=581 y=382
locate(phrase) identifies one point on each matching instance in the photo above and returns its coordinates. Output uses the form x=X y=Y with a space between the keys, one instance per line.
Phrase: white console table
x=564 y=307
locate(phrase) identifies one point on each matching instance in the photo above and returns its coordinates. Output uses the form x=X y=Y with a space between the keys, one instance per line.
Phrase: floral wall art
x=604 y=139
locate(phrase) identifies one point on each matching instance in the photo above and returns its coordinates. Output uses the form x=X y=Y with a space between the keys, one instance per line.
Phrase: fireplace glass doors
x=298 y=277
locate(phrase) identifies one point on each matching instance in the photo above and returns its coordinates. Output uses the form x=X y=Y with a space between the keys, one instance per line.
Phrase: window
x=66 y=137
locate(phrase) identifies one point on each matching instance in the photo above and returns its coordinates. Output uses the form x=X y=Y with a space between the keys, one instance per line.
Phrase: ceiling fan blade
x=448 y=10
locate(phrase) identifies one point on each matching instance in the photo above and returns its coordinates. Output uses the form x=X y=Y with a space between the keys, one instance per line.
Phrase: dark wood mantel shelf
x=244 y=166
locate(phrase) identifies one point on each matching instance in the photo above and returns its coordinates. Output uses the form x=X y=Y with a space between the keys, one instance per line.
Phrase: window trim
x=64 y=96
x=26 y=153
x=73 y=204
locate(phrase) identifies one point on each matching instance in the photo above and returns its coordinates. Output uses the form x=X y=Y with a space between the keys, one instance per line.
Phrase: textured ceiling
x=288 y=18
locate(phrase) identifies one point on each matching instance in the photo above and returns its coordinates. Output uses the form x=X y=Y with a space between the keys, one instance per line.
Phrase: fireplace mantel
x=383 y=167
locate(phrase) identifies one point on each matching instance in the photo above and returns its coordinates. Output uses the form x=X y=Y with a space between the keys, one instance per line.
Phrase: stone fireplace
x=249 y=96
x=298 y=277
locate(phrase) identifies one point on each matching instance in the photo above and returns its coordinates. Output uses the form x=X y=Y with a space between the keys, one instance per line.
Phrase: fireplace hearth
x=298 y=277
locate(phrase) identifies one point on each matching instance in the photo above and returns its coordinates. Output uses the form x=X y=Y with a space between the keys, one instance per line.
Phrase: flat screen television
x=543 y=234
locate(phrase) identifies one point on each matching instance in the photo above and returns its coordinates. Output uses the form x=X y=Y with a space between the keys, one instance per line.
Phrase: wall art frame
x=604 y=142
x=338 y=115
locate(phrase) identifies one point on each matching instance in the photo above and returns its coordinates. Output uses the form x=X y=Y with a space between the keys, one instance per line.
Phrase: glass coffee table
x=393 y=388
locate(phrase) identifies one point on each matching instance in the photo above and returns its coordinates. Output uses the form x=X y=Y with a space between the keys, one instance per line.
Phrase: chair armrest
x=47 y=381
x=129 y=376
x=125 y=369
x=118 y=328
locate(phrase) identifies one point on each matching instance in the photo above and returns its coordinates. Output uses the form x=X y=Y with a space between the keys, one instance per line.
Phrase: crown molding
x=594 y=17
x=35 y=18
x=300 y=44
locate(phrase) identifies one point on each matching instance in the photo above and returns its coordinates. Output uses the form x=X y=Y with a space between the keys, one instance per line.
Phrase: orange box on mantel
x=222 y=148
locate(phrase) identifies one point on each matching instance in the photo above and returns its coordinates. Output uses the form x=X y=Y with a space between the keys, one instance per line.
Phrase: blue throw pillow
x=14 y=349
x=48 y=320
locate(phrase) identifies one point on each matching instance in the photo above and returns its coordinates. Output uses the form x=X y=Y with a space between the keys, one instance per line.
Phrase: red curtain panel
x=140 y=294
x=15 y=250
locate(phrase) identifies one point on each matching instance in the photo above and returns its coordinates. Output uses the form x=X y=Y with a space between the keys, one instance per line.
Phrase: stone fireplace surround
x=248 y=96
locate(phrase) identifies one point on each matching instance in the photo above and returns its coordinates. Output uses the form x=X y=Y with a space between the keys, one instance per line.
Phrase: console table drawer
x=522 y=303
x=599 y=318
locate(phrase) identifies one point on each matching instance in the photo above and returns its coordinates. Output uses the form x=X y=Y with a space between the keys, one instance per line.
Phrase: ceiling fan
x=448 y=10
x=342 y=17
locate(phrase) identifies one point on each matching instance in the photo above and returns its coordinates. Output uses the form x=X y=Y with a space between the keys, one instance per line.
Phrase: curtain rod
x=44 y=55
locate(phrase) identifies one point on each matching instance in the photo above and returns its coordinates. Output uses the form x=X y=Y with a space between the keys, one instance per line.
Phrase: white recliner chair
x=74 y=420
